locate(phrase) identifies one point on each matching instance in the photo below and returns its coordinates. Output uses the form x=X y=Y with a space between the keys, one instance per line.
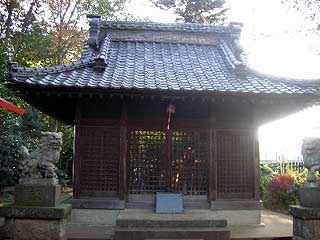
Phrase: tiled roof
x=160 y=66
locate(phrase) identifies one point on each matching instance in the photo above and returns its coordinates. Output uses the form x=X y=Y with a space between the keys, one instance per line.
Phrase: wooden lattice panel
x=189 y=162
x=235 y=164
x=146 y=161
x=99 y=159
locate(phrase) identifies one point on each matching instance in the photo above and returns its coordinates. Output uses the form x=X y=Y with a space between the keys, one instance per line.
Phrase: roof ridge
x=28 y=71
x=232 y=28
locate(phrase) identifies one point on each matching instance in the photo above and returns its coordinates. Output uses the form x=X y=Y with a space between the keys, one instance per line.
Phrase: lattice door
x=151 y=170
x=235 y=164
x=189 y=162
x=146 y=154
x=99 y=160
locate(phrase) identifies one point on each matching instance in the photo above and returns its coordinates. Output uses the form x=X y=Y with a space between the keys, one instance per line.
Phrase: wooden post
x=212 y=157
x=168 y=160
x=76 y=151
x=256 y=155
x=256 y=166
x=123 y=153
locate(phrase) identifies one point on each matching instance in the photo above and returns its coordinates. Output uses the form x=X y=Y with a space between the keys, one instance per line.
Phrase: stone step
x=98 y=216
x=89 y=231
x=172 y=233
x=170 y=223
x=149 y=219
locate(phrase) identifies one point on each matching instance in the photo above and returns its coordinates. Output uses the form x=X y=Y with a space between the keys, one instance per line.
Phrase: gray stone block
x=38 y=229
x=306 y=222
x=26 y=223
x=173 y=233
x=308 y=229
x=171 y=223
x=37 y=195
x=305 y=212
x=96 y=203
x=310 y=197
x=62 y=211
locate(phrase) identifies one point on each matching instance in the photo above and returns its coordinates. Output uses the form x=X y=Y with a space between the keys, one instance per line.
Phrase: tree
x=108 y=9
x=195 y=11
x=17 y=17
x=38 y=33
x=310 y=10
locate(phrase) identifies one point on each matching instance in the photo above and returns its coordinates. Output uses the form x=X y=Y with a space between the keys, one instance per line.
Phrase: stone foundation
x=35 y=223
x=306 y=222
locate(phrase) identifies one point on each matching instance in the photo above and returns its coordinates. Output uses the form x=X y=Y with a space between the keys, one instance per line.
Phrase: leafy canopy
x=39 y=33
x=195 y=11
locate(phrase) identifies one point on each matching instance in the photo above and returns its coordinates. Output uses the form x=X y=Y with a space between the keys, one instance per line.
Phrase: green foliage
x=67 y=148
x=16 y=131
x=33 y=41
x=108 y=9
x=266 y=174
x=279 y=190
x=35 y=49
x=299 y=177
x=195 y=11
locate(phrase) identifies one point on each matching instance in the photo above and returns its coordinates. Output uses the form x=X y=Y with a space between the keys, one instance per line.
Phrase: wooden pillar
x=76 y=152
x=256 y=166
x=168 y=160
x=212 y=193
x=123 y=153
x=256 y=154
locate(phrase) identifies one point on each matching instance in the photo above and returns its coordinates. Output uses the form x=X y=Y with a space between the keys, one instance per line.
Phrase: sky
x=271 y=51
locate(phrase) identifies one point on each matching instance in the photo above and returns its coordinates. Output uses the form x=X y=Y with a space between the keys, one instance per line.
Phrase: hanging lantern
x=170 y=110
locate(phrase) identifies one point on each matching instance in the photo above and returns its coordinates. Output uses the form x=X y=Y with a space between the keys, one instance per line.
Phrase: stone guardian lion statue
x=38 y=166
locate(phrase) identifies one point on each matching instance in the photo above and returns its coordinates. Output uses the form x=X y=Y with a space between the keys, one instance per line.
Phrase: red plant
x=280 y=183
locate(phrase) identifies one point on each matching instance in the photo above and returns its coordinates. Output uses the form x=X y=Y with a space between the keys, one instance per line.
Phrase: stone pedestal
x=306 y=222
x=310 y=196
x=40 y=195
x=35 y=223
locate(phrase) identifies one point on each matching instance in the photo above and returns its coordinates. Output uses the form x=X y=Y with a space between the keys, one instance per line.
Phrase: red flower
x=280 y=183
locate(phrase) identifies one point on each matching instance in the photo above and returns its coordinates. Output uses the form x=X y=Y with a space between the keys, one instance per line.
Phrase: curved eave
x=182 y=93
x=315 y=82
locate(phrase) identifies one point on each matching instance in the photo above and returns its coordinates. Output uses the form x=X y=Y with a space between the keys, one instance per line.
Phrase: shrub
x=282 y=191
x=266 y=174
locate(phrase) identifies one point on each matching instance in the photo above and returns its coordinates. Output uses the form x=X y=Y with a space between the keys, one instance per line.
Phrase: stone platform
x=98 y=224
x=145 y=224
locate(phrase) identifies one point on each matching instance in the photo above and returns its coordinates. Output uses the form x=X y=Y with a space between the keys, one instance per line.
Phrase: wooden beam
x=123 y=153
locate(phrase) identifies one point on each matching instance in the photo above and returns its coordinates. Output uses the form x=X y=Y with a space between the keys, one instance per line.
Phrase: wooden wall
x=103 y=128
